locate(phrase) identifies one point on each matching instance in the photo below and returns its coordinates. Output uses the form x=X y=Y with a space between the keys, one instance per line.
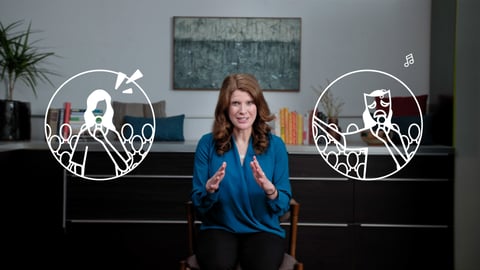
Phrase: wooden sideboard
x=138 y=220
x=402 y=222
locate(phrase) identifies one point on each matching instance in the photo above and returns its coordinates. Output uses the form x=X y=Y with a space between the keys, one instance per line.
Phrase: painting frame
x=206 y=49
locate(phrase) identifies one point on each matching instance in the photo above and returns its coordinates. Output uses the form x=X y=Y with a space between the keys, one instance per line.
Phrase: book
x=76 y=119
x=294 y=127
x=66 y=119
x=52 y=120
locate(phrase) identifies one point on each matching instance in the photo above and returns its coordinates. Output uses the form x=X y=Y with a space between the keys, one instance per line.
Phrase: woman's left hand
x=261 y=179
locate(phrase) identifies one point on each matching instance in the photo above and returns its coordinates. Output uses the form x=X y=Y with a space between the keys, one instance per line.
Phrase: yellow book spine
x=299 y=128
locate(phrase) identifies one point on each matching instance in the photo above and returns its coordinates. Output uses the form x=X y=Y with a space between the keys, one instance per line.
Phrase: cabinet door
x=405 y=221
x=403 y=248
x=124 y=246
x=325 y=247
x=127 y=198
x=311 y=166
x=155 y=163
x=32 y=209
x=325 y=196
x=421 y=193
x=156 y=190
x=428 y=166
x=166 y=163
x=324 y=201
x=404 y=202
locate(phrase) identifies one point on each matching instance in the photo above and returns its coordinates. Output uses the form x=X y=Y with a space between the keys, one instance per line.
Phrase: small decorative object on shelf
x=332 y=107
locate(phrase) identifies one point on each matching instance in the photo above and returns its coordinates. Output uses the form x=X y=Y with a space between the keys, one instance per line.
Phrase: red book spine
x=66 y=119
x=310 y=132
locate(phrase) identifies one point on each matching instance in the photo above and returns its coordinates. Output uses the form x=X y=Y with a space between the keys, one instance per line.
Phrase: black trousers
x=222 y=250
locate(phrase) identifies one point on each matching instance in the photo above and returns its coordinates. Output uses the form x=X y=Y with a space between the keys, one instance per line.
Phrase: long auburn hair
x=223 y=127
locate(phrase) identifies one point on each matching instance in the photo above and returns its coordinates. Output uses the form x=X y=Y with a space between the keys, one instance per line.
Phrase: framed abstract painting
x=206 y=49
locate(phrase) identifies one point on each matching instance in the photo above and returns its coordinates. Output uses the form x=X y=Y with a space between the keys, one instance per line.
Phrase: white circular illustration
x=375 y=90
x=86 y=126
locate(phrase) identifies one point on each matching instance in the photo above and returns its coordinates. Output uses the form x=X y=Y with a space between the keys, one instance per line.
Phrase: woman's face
x=242 y=110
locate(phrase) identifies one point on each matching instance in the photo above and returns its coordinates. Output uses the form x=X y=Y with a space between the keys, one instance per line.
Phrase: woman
x=102 y=131
x=241 y=182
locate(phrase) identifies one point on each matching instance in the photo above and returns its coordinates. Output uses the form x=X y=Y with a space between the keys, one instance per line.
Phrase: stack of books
x=57 y=117
x=292 y=127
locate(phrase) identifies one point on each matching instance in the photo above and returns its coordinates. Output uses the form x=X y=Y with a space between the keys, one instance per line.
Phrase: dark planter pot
x=15 y=123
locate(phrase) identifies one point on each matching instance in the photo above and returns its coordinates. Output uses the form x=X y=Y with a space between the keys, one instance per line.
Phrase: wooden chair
x=290 y=261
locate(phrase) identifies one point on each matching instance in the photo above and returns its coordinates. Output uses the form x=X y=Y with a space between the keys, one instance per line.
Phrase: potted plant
x=20 y=60
x=332 y=107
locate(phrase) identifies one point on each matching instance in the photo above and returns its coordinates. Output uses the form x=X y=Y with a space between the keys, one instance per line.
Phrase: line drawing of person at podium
x=377 y=121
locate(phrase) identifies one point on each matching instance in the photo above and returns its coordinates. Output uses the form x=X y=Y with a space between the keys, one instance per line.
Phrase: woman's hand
x=267 y=186
x=214 y=182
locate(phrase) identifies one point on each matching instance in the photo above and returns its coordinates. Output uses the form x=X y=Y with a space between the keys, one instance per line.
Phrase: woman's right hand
x=213 y=183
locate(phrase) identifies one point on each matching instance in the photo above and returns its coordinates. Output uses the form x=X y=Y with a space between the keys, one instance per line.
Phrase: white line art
x=409 y=60
x=350 y=159
x=100 y=129
x=121 y=150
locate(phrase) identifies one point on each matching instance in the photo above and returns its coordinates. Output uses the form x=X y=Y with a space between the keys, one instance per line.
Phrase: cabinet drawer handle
x=321 y=224
x=374 y=225
x=126 y=221
x=319 y=178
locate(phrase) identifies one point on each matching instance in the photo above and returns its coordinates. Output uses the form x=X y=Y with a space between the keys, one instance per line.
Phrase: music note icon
x=409 y=61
